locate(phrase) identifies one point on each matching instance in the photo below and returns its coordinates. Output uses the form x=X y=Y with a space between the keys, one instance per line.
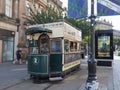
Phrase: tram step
x=55 y=78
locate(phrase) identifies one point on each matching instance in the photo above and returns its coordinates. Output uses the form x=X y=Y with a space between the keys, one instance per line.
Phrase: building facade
x=103 y=25
x=9 y=23
x=24 y=11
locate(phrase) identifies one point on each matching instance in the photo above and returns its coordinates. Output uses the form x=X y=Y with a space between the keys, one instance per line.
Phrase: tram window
x=73 y=46
x=33 y=50
x=44 y=48
x=66 y=46
x=79 y=46
x=56 y=46
x=32 y=43
x=44 y=44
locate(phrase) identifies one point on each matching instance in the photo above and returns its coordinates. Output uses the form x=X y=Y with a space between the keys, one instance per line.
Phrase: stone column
x=2 y=6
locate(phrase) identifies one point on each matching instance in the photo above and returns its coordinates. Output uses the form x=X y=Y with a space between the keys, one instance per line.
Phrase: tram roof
x=32 y=30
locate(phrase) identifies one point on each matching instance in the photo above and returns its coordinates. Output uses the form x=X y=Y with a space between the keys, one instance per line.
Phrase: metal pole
x=92 y=83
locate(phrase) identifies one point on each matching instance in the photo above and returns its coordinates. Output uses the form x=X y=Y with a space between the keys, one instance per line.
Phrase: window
x=56 y=46
x=8 y=8
x=46 y=1
x=33 y=50
x=78 y=46
x=73 y=46
x=27 y=9
x=66 y=46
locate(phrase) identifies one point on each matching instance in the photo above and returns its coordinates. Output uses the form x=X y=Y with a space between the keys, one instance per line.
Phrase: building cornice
x=9 y=20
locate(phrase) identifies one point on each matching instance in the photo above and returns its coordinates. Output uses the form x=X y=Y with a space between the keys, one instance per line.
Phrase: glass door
x=8 y=50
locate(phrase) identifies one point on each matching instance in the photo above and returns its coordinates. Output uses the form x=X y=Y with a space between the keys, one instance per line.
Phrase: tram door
x=103 y=46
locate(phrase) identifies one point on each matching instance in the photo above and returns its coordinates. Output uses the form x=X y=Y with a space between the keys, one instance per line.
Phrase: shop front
x=8 y=40
x=7 y=45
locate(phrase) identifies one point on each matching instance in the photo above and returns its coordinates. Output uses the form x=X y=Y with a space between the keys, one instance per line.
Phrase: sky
x=114 y=19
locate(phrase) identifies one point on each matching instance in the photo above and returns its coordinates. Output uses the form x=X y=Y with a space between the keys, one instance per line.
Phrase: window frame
x=56 y=39
x=8 y=8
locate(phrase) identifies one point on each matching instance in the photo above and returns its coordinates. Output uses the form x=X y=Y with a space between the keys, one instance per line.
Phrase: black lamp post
x=92 y=83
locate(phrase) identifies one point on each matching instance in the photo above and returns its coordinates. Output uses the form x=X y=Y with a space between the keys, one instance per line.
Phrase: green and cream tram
x=54 y=50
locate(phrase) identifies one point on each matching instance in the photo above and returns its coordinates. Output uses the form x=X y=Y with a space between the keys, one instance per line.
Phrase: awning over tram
x=32 y=30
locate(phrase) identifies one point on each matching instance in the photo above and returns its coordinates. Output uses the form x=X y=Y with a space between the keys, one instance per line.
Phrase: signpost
x=108 y=7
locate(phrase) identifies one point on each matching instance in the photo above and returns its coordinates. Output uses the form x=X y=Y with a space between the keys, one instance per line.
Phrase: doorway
x=8 y=48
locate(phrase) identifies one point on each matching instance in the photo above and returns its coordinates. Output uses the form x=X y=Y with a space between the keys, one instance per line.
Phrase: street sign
x=108 y=7
x=77 y=8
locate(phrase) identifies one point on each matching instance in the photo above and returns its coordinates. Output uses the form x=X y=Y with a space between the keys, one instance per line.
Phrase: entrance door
x=8 y=51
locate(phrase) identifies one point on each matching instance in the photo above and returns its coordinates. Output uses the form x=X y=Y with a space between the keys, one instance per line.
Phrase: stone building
x=24 y=12
x=103 y=25
x=9 y=24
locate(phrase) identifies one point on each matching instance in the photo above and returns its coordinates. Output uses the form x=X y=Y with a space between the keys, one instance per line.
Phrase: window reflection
x=66 y=46
x=33 y=50
x=55 y=46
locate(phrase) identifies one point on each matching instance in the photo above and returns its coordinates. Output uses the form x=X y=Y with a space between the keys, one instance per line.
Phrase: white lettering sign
x=110 y=5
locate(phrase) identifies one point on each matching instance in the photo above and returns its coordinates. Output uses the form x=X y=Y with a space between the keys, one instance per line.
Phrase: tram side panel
x=59 y=69
x=55 y=65
x=38 y=65
x=71 y=62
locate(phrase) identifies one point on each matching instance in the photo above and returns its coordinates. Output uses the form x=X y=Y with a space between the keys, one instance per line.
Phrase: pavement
x=108 y=77
x=11 y=74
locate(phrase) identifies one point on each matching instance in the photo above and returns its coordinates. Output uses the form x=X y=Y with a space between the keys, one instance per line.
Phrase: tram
x=54 y=50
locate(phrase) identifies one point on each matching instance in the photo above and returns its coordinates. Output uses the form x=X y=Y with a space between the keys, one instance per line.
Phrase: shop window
x=79 y=46
x=8 y=48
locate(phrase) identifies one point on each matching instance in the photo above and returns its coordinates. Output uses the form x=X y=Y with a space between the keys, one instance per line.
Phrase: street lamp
x=92 y=83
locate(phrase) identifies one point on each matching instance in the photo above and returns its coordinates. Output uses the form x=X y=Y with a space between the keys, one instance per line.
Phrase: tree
x=44 y=16
x=49 y=15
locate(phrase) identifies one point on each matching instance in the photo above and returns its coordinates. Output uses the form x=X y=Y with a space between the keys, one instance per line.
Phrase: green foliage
x=115 y=41
x=118 y=42
x=44 y=16
x=83 y=25
x=119 y=53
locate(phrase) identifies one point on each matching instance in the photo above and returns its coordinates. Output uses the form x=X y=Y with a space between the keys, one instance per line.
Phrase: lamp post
x=92 y=83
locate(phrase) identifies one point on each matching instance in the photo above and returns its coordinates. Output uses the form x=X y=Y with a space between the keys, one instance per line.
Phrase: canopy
x=33 y=30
